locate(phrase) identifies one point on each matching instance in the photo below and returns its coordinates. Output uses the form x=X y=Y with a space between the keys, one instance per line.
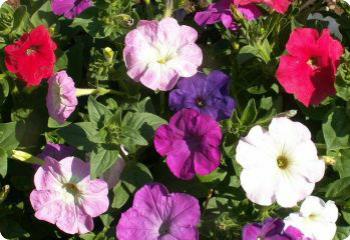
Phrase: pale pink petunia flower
x=65 y=195
x=157 y=54
x=61 y=99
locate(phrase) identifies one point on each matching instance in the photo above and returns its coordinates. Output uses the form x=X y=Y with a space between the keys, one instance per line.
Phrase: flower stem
x=26 y=157
x=169 y=8
x=96 y=91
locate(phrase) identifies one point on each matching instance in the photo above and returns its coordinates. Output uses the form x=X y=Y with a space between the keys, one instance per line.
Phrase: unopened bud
x=329 y=160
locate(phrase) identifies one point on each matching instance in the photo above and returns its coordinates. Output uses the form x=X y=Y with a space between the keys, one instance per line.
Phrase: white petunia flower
x=2 y=238
x=279 y=165
x=316 y=219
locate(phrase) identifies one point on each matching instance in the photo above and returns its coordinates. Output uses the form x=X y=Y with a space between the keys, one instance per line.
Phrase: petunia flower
x=308 y=70
x=280 y=6
x=56 y=151
x=157 y=54
x=32 y=58
x=316 y=219
x=221 y=12
x=279 y=165
x=61 y=100
x=70 y=8
x=271 y=229
x=158 y=214
x=206 y=94
x=191 y=143
x=65 y=195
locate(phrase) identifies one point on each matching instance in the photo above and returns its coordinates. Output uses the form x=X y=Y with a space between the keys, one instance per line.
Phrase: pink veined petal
x=75 y=169
x=133 y=225
x=48 y=176
x=47 y=205
x=159 y=77
x=189 y=34
x=180 y=161
x=74 y=220
x=227 y=20
x=207 y=160
x=163 y=140
x=95 y=199
x=250 y=12
x=60 y=7
x=190 y=57
x=185 y=210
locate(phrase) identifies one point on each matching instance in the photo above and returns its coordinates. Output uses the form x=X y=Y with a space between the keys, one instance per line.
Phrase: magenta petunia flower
x=56 y=151
x=157 y=214
x=206 y=94
x=191 y=143
x=65 y=195
x=157 y=54
x=271 y=229
x=61 y=100
x=221 y=12
x=70 y=8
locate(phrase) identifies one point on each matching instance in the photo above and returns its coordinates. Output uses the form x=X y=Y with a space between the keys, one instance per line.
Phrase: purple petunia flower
x=191 y=143
x=61 y=100
x=221 y=12
x=157 y=214
x=206 y=94
x=271 y=229
x=56 y=151
x=70 y=8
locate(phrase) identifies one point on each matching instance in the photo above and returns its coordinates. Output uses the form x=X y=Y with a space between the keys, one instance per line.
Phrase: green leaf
x=98 y=113
x=3 y=162
x=343 y=162
x=339 y=189
x=134 y=176
x=342 y=233
x=8 y=139
x=21 y=22
x=250 y=113
x=101 y=160
x=79 y=135
x=336 y=129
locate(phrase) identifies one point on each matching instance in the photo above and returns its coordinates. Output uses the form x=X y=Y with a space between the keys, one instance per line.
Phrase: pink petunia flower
x=61 y=100
x=221 y=12
x=308 y=70
x=65 y=195
x=191 y=143
x=280 y=6
x=157 y=54
x=157 y=214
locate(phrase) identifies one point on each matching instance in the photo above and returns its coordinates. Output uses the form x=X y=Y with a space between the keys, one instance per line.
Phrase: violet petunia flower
x=271 y=229
x=56 y=151
x=221 y=12
x=206 y=94
x=70 y=8
x=157 y=214
x=191 y=143
x=61 y=99
x=66 y=195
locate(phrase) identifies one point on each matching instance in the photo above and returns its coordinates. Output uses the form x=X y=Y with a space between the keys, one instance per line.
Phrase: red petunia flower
x=308 y=70
x=280 y=6
x=32 y=57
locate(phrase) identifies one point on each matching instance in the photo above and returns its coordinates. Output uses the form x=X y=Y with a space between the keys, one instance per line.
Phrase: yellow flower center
x=282 y=162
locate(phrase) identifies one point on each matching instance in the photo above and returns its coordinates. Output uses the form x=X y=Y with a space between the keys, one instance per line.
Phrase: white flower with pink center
x=157 y=54
x=66 y=195
x=279 y=165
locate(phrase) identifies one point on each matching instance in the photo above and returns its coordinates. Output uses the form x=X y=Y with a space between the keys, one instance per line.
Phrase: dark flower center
x=282 y=162
x=71 y=188
x=32 y=50
x=164 y=228
x=313 y=62
x=194 y=142
x=200 y=102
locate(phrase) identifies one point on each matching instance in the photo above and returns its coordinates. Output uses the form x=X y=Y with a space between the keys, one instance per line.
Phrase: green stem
x=96 y=91
x=26 y=157
x=169 y=8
